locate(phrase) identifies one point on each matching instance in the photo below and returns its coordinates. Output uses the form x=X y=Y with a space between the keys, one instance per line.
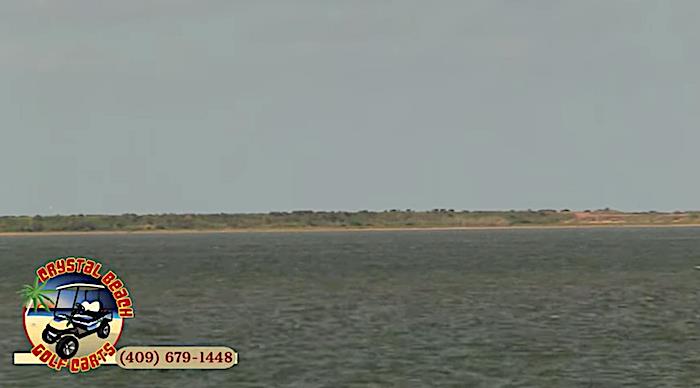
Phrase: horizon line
x=395 y=210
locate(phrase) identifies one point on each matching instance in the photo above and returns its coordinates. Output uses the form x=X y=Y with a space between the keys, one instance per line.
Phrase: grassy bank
x=439 y=218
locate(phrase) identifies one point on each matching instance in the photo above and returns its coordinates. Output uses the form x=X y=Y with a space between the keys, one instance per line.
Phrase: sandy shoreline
x=335 y=229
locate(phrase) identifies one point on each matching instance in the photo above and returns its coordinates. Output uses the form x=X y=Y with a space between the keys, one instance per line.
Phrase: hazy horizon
x=358 y=211
x=249 y=107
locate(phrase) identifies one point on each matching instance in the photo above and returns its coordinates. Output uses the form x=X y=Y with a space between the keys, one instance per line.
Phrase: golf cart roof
x=80 y=285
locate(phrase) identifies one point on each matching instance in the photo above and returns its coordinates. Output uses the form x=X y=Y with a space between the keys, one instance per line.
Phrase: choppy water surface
x=506 y=308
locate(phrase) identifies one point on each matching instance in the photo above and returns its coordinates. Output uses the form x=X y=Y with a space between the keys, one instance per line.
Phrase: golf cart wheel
x=67 y=347
x=103 y=331
x=46 y=336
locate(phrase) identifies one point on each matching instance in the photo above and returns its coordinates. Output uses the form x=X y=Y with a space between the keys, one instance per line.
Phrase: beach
x=344 y=229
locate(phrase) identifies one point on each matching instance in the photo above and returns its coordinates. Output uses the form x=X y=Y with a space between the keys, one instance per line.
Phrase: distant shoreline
x=341 y=229
x=337 y=221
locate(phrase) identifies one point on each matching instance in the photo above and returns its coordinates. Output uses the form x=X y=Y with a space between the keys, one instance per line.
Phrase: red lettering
x=70 y=264
x=45 y=356
x=109 y=349
x=121 y=293
x=51 y=269
x=124 y=302
x=96 y=271
x=93 y=361
x=108 y=278
x=117 y=284
x=61 y=266
x=61 y=364
x=42 y=274
x=84 y=364
x=79 y=264
x=89 y=264
x=37 y=350
x=74 y=365
x=52 y=361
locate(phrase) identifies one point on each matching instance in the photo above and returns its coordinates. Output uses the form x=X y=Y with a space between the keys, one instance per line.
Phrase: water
x=500 y=308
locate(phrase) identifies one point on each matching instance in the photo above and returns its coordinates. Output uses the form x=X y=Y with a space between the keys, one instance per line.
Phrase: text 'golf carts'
x=79 y=311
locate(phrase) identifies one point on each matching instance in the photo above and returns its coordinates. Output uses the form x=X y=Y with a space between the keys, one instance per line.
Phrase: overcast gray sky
x=243 y=106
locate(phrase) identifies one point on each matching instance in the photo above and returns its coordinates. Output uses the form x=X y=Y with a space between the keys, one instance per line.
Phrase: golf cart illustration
x=79 y=311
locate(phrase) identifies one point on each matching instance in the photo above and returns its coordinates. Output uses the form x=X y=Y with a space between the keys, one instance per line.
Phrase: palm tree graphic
x=36 y=295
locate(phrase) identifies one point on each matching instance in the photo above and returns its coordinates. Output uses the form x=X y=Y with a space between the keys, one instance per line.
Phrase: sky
x=254 y=106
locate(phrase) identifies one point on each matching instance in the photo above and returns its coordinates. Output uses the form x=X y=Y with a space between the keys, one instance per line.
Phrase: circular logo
x=74 y=313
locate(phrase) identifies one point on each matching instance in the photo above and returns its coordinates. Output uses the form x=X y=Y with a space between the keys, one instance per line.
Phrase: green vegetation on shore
x=438 y=218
